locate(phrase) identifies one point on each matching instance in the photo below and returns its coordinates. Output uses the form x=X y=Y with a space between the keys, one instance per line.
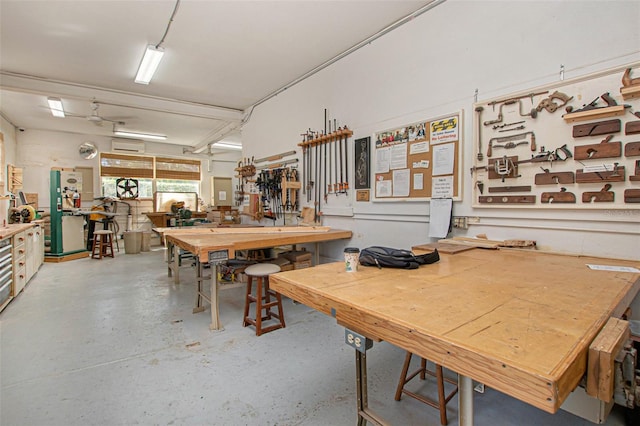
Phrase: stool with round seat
x=102 y=244
x=262 y=299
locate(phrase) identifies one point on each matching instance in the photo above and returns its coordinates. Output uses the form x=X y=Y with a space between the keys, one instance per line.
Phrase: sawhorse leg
x=361 y=343
x=211 y=297
x=173 y=262
x=215 y=309
x=200 y=296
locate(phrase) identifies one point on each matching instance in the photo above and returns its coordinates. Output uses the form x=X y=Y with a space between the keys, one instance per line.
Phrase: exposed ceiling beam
x=46 y=87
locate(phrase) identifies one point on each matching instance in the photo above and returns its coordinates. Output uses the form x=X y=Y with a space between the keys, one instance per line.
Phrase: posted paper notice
x=442 y=187
x=401 y=183
x=439 y=217
x=443 y=157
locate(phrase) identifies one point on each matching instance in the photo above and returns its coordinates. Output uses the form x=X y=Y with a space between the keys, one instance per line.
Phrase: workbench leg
x=317 y=255
x=176 y=264
x=200 y=283
x=168 y=257
x=215 y=317
x=465 y=401
x=364 y=413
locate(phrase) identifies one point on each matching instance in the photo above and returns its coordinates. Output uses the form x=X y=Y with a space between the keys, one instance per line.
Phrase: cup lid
x=352 y=250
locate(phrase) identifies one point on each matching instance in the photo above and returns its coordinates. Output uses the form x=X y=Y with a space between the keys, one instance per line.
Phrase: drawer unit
x=19 y=262
x=6 y=272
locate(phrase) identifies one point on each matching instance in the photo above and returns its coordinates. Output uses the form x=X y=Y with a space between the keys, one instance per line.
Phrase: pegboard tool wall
x=529 y=152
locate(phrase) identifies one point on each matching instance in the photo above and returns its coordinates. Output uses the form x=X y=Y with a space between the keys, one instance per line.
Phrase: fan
x=127 y=188
x=95 y=117
x=88 y=150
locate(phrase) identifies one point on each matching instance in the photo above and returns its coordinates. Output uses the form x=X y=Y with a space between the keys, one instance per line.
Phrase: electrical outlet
x=460 y=222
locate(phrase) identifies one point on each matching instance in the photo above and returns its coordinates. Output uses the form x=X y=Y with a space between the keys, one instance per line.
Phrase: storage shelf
x=595 y=114
x=630 y=92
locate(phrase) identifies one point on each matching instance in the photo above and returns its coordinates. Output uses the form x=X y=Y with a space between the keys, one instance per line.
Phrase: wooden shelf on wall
x=630 y=92
x=595 y=114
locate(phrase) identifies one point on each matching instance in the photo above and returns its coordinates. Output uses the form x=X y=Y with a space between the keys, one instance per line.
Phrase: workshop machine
x=67 y=229
x=22 y=214
x=182 y=216
x=19 y=210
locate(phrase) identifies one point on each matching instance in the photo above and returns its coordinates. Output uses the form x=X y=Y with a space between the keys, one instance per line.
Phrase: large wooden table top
x=201 y=242
x=518 y=321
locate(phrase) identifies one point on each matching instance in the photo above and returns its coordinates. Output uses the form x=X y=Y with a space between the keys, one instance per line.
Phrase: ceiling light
x=136 y=135
x=226 y=145
x=55 y=105
x=149 y=65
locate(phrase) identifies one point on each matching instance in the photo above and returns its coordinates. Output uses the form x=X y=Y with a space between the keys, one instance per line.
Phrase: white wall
x=38 y=151
x=431 y=67
x=9 y=135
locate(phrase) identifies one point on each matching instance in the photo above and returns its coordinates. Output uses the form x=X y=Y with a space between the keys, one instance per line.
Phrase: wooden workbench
x=518 y=321
x=201 y=241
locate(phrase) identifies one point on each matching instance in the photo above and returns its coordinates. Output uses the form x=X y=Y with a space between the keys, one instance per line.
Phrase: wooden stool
x=102 y=244
x=441 y=404
x=262 y=298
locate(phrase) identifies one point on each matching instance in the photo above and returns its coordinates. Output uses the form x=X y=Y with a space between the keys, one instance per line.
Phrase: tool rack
x=574 y=144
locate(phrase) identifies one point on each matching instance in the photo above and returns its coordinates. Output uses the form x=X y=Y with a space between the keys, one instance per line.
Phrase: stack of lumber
x=459 y=244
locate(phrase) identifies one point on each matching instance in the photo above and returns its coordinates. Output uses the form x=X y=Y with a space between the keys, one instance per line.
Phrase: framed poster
x=363 y=161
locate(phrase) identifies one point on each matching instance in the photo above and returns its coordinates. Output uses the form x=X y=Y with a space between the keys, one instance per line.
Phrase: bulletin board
x=574 y=144
x=419 y=161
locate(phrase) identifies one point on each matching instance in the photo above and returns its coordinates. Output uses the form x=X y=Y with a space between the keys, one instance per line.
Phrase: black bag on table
x=386 y=257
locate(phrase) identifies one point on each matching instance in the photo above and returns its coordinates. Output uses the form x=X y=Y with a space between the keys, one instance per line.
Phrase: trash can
x=132 y=241
x=145 y=245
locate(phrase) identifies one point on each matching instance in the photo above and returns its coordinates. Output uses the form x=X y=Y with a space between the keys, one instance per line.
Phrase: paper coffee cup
x=351 y=256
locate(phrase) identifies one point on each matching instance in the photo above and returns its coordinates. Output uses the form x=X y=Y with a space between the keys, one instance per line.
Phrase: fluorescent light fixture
x=227 y=145
x=149 y=65
x=55 y=105
x=136 y=135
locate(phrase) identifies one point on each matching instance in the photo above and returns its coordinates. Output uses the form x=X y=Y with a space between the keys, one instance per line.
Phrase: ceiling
x=221 y=58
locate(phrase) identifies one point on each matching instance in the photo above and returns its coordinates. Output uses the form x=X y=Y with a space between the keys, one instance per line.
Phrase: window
x=145 y=187
x=177 y=185
x=171 y=174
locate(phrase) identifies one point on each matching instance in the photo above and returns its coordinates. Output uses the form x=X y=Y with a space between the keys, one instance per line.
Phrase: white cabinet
x=19 y=262
x=35 y=250
x=28 y=256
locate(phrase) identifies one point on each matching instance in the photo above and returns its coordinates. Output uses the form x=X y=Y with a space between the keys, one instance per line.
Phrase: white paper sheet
x=419 y=147
x=399 y=156
x=383 y=158
x=418 y=181
x=442 y=159
x=442 y=187
x=401 y=183
x=383 y=188
x=613 y=268
x=440 y=217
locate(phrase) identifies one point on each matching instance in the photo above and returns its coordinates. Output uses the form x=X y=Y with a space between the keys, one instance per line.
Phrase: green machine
x=67 y=229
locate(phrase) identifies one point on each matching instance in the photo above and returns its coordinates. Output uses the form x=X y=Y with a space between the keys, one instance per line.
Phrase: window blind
x=174 y=168
x=127 y=166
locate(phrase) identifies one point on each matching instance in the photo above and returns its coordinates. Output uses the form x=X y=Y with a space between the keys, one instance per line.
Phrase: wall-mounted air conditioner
x=123 y=146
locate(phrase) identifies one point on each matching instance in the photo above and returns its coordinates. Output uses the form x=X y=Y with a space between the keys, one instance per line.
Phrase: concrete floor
x=113 y=341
